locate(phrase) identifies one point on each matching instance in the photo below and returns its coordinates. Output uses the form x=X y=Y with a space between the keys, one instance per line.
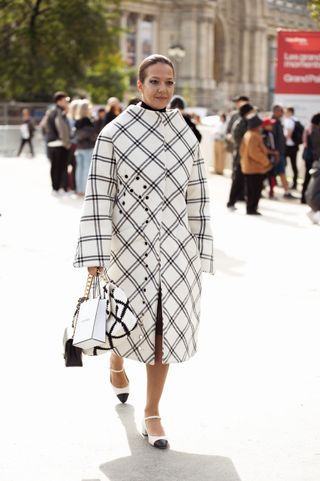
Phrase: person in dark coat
x=313 y=194
x=99 y=122
x=239 y=128
x=311 y=152
x=178 y=103
x=280 y=146
x=113 y=109
x=59 y=141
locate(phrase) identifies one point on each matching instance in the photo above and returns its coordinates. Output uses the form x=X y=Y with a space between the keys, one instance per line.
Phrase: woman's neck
x=146 y=106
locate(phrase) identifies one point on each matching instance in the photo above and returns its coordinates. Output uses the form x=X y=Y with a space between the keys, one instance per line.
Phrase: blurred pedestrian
x=59 y=141
x=239 y=101
x=268 y=140
x=44 y=130
x=312 y=194
x=113 y=109
x=239 y=128
x=146 y=220
x=85 y=137
x=219 y=144
x=311 y=151
x=26 y=131
x=280 y=146
x=72 y=111
x=134 y=101
x=99 y=122
x=293 y=141
x=178 y=102
x=254 y=163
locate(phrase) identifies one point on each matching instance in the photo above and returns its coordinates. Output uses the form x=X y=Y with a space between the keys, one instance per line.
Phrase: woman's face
x=158 y=86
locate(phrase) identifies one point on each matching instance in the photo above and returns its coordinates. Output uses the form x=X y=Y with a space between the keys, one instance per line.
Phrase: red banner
x=298 y=63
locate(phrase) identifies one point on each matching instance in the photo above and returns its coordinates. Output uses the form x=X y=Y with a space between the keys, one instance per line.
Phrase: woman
x=146 y=219
x=254 y=163
x=26 y=130
x=84 y=137
x=220 y=144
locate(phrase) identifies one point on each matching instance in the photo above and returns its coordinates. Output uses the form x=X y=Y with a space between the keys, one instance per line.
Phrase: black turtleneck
x=147 y=107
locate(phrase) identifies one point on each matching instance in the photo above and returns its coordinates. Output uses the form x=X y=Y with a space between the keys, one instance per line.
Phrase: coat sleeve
x=96 y=222
x=198 y=209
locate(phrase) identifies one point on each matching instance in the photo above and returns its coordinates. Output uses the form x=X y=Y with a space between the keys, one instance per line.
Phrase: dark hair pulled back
x=152 y=60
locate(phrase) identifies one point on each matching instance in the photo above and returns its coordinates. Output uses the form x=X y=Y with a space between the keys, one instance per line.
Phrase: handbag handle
x=88 y=287
x=82 y=299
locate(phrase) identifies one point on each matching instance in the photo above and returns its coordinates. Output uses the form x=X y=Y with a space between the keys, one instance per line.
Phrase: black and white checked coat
x=146 y=219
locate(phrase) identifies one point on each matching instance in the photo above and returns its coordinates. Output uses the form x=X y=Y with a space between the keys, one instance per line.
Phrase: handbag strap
x=82 y=299
x=103 y=275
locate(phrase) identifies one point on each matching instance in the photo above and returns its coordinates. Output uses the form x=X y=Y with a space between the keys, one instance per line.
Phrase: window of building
x=131 y=39
x=146 y=36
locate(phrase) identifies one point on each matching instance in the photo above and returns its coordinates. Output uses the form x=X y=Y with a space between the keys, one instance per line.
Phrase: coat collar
x=152 y=115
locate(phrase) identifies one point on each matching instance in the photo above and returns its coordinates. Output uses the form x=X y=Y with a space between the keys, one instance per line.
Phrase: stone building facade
x=229 y=45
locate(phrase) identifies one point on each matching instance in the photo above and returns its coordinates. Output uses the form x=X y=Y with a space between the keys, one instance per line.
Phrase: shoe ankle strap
x=115 y=370
x=152 y=417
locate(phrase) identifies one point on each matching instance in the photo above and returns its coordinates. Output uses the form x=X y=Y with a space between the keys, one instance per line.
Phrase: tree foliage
x=48 y=45
x=314 y=7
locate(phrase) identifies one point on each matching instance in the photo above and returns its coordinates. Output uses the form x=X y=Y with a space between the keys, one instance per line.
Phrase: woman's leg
x=23 y=141
x=156 y=378
x=118 y=379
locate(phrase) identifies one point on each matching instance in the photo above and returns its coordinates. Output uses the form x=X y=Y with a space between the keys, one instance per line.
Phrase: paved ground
x=246 y=408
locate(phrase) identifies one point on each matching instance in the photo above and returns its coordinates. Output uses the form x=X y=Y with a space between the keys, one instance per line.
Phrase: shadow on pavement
x=149 y=464
x=230 y=266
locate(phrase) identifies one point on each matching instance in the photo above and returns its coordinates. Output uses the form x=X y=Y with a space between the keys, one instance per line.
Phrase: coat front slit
x=146 y=219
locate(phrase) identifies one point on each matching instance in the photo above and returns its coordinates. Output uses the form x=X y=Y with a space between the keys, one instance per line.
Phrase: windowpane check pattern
x=146 y=219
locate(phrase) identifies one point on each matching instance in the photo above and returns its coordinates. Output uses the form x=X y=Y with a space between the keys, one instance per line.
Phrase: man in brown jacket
x=254 y=163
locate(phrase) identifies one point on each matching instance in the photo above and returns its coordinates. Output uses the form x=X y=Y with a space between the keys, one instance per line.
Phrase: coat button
x=147 y=265
x=126 y=176
x=140 y=196
x=146 y=243
x=145 y=278
x=146 y=254
x=147 y=221
x=146 y=208
x=143 y=302
x=137 y=178
x=144 y=186
x=131 y=190
x=144 y=290
x=123 y=203
x=147 y=197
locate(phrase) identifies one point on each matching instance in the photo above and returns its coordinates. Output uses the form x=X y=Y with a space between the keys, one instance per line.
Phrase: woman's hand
x=95 y=271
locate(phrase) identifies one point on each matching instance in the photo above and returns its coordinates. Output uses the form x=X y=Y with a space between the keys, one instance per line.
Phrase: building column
x=138 y=41
x=264 y=58
x=246 y=56
x=123 y=24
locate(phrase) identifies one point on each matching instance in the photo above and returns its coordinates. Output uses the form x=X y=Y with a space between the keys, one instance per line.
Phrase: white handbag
x=103 y=322
x=90 y=325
